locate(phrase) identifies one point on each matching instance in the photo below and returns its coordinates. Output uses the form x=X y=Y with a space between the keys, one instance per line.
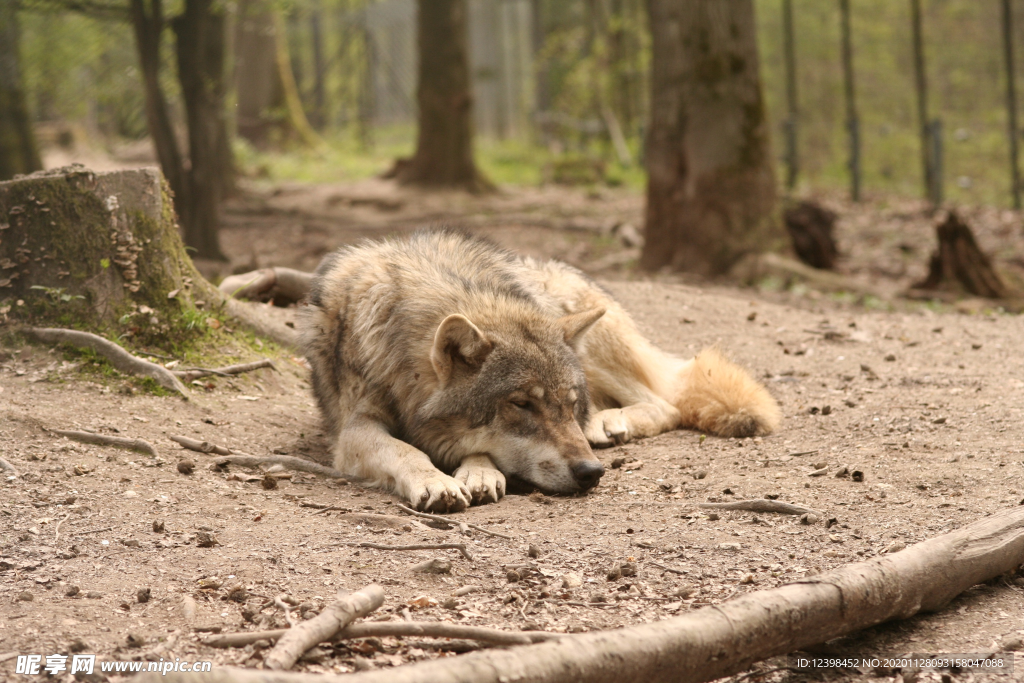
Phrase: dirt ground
x=925 y=400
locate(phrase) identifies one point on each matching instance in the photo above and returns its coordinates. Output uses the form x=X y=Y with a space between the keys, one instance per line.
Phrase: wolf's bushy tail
x=716 y=396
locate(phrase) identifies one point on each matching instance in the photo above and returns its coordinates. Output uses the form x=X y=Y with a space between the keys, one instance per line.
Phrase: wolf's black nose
x=587 y=473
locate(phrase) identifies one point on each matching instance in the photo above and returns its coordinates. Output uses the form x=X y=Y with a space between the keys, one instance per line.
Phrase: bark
x=959 y=265
x=727 y=638
x=444 y=144
x=811 y=228
x=18 y=150
x=148 y=24
x=200 y=47
x=711 y=187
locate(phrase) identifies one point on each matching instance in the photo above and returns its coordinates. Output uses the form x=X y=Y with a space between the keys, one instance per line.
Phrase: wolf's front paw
x=608 y=428
x=440 y=493
x=486 y=484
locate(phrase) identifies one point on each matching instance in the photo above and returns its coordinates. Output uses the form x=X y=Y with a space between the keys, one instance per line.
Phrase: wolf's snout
x=587 y=473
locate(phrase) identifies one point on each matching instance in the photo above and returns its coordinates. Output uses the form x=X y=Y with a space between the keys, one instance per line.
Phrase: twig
x=667 y=568
x=286 y=608
x=289 y=461
x=230 y=370
x=94 y=531
x=200 y=446
x=56 y=529
x=115 y=355
x=139 y=445
x=382 y=629
x=762 y=505
x=448 y=520
x=8 y=467
x=461 y=547
x=332 y=619
x=330 y=508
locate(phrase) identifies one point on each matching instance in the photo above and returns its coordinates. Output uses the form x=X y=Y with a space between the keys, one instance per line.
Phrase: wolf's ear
x=575 y=325
x=458 y=342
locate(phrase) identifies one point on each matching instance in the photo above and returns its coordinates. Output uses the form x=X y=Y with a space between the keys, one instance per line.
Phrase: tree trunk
x=256 y=80
x=444 y=145
x=18 y=151
x=959 y=266
x=148 y=24
x=711 y=187
x=200 y=34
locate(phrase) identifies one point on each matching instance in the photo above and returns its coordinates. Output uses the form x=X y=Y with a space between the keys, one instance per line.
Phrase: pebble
x=158 y=526
x=204 y=539
x=143 y=594
x=571 y=580
x=186 y=466
x=433 y=566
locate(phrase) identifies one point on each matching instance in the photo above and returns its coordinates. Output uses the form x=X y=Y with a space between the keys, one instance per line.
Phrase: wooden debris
x=449 y=520
x=959 y=265
x=8 y=467
x=228 y=371
x=200 y=446
x=283 y=285
x=811 y=227
x=434 y=565
x=289 y=461
x=762 y=505
x=335 y=616
x=139 y=445
x=382 y=629
x=461 y=547
x=115 y=355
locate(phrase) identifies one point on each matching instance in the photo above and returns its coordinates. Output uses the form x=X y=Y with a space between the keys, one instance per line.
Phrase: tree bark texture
x=18 y=151
x=256 y=78
x=727 y=638
x=148 y=23
x=711 y=186
x=200 y=34
x=444 y=144
x=958 y=265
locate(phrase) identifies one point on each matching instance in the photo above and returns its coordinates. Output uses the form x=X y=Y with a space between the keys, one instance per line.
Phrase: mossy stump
x=96 y=251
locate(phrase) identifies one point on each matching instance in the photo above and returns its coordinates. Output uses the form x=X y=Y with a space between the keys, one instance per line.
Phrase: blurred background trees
x=558 y=91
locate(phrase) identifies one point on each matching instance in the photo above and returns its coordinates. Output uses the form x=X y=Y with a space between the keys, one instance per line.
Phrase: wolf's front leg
x=366 y=449
x=486 y=484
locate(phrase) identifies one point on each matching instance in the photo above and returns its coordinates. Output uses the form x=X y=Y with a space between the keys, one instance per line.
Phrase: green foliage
x=57 y=294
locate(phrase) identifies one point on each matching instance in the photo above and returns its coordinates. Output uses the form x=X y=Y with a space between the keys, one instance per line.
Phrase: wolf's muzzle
x=587 y=473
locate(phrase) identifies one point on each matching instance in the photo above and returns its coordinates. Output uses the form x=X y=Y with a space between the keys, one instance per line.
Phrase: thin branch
x=230 y=370
x=114 y=354
x=139 y=445
x=289 y=461
x=200 y=446
x=449 y=520
x=461 y=547
x=8 y=467
x=762 y=505
x=382 y=629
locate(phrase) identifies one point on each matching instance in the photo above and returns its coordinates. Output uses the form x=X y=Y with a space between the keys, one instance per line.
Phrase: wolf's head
x=516 y=392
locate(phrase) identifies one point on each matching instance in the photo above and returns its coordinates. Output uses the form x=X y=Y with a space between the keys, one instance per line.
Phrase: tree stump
x=811 y=227
x=101 y=252
x=959 y=266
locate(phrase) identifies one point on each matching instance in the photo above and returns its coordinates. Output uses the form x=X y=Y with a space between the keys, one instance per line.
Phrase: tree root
x=449 y=520
x=283 y=285
x=289 y=461
x=139 y=445
x=115 y=355
x=200 y=446
x=196 y=373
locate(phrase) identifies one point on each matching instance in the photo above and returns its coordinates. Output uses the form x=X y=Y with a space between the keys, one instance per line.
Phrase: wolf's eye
x=521 y=403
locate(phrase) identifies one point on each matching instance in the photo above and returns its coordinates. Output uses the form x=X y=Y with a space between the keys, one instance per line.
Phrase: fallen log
x=727 y=638
x=138 y=445
x=335 y=616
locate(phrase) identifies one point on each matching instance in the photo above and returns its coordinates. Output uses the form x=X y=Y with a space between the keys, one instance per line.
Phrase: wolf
x=445 y=366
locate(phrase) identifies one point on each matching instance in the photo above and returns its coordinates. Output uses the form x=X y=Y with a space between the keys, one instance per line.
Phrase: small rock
x=466 y=590
x=135 y=640
x=831 y=522
x=433 y=566
x=813 y=410
x=158 y=526
x=843 y=471
x=78 y=645
x=700 y=474
x=747 y=580
x=809 y=518
x=571 y=580
x=26 y=596
x=72 y=591
x=752 y=317
x=129 y=543
x=821 y=464
x=857 y=475
x=533 y=551
x=714 y=516
x=204 y=539
x=835 y=539
x=895 y=547
x=826 y=410
x=618 y=462
x=186 y=467
x=1011 y=644
x=238 y=593
x=269 y=482
x=818 y=473
x=513 y=576
x=143 y=594
x=94 y=595
x=249 y=614
x=615 y=573
x=598 y=597
x=730 y=546
x=131 y=494
x=683 y=592
x=891 y=357
x=939 y=421
x=450 y=603
x=628 y=569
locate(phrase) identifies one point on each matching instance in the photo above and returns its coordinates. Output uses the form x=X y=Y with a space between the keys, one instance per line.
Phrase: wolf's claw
x=442 y=493
x=485 y=483
x=608 y=428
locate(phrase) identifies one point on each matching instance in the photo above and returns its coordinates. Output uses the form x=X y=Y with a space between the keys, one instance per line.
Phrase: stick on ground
x=8 y=467
x=140 y=445
x=461 y=547
x=449 y=520
x=381 y=629
x=115 y=355
x=726 y=638
x=762 y=505
x=335 y=616
x=200 y=446
x=228 y=371
x=289 y=461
